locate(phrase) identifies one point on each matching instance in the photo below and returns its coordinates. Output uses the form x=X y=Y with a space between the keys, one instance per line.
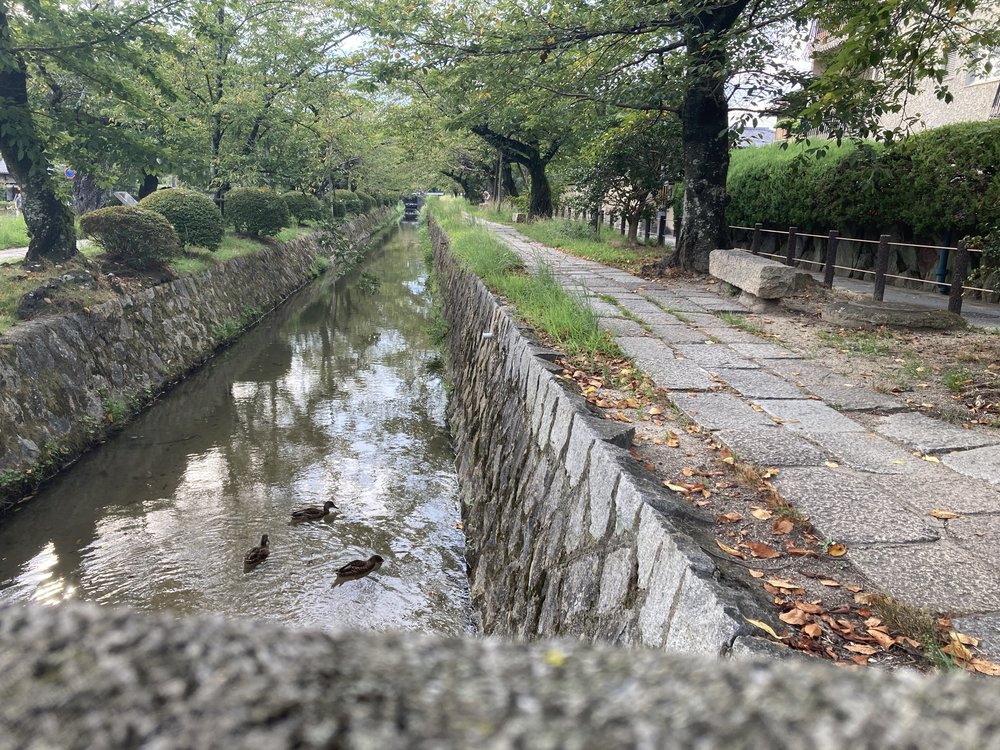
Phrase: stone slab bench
x=759 y=279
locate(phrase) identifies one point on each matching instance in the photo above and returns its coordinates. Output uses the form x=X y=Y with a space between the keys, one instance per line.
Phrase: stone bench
x=760 y=280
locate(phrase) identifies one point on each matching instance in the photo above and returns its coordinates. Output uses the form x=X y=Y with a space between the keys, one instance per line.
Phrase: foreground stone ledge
x=763 y=278
x=77 y=676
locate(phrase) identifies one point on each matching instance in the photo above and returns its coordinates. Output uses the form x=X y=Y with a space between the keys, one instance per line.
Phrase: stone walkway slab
x=809 y=416
x=937 y=486
x=979 y=463
x=717 y=411
x=763 y=351
x=674 y=334
x=772 y=446
x=834 y=388
x=714 y=356
x=759 y=385
x=622 y=327
x=666 y=371
x=851 y=509
x=930 y=435
x=868 y=452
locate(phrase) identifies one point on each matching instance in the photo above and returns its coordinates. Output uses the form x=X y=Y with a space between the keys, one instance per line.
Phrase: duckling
x=358 y=568
x=313 y=512
x=257 y=555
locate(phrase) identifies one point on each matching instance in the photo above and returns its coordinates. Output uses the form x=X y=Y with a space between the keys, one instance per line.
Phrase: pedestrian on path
x=18 y=201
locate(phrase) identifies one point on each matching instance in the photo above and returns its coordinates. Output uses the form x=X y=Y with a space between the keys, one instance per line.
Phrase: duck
x=313 y=512
x=257 y=555
x=357 y=568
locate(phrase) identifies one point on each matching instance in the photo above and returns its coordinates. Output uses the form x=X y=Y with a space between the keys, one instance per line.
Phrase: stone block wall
x=58 y=374
x=565 y=537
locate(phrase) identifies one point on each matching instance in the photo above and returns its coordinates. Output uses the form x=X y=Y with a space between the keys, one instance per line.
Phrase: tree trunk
x=150 y=182
x=540 y=197
x=49 y=220
x=87 y=194
x=507 y=180
x=705 y=133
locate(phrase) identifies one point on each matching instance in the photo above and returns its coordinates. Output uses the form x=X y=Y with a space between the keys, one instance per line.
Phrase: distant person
x=486 y=196
x=18 y=201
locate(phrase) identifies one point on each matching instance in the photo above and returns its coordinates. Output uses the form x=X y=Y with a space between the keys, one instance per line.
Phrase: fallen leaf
x=861 y=661
x=730 y=551
x=831 y=464
x=968 y=640
x=885 y=640
x=783 y=526
x=731 y=517
x=854 y=589
x=813 y=630
x=781 y=583
x=687 y=471
x=812 y=608
x=761 y=514
x=944 y=515
x=860 y=648
x=673 y=440
x=729 y=460
x=459 y=525
x=829 y=582
x=794 y=617
x=765 y=627
x=759 y=549
x=654 y=410
x=800 y=551
x=932 y=459
x=676 y=487
x=836 y=550
x=985 y=667
x=756 y=573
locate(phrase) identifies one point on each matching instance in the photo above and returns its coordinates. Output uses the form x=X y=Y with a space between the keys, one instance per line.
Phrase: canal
x=332 y=397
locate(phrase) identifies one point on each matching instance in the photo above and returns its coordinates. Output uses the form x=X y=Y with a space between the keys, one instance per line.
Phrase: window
x=988 y=68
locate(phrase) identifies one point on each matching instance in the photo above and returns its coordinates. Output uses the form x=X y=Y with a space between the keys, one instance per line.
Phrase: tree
x=37 y=42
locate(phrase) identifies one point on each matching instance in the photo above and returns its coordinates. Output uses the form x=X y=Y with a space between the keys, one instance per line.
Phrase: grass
x=743 y=323
x=629 y=315
x=539 y=299
x=869 y=343
x=577 y=238
x=955 y=379
x=13 y=233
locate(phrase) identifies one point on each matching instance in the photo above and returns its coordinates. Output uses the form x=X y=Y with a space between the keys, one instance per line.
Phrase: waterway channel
x=332 y=397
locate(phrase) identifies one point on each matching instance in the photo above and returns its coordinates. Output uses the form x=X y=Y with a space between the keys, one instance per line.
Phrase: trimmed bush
x=303 y=207
x=367 y=202
x=194 y=216
x=256 y=211
x=352 y=204
x=131 y=235
x=339 y=209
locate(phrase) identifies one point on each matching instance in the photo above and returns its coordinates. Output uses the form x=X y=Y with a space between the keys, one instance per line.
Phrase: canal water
x=333 y=397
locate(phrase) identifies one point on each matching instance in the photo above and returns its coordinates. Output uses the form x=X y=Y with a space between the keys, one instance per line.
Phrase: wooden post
x=959 y=269
x=646 y=227
x=623 y=224
x=757 y=237
x=661 y=231
x=831 y=259
x=790 y=252
x=881 y=267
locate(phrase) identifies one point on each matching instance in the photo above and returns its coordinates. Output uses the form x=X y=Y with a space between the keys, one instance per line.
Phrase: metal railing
x=959 y=270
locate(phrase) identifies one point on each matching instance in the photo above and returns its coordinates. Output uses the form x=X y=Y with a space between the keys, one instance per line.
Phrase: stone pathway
x=772 y=408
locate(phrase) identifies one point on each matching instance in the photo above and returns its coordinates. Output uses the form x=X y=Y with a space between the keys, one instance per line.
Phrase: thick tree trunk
x=87 y=194
x=49 y=220
x=507 y=180
x=150 y=182
x=540 y=197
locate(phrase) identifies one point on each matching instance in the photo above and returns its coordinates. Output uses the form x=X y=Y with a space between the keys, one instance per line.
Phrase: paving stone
x=717 y=411
x=868 y=452
x=622 y=327
x=723 y=304
x=664 y=319
x=711 y=356
x=962 y=584
x=674 y=334
x=834 y=388
x=666 y=371
x=979 y=463
x=756 y=384
x=763 y=351
x=930 y=435
x=809 y=416
x=849 y=508
x=667 y=299
x=729 y=335
x=604 y=309
x=701 y=320
x=936 y=486
x=772 y=446
x=640 y=308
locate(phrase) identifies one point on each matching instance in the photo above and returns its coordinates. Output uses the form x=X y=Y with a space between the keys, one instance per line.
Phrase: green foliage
x=13 y=233
x=256 y=211
x=133 y=236
x=350 y=200
x=941 y=180
x=194 y=216
x=339 y=209
x=302 y=207
x=366 y=201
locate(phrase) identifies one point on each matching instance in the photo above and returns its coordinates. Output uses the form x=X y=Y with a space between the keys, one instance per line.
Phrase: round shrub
x=303 y=207
x=256 y=211
x=350 y=200
x=133 y=236
x=194 y=216
x=338 y=209
x=367 y=202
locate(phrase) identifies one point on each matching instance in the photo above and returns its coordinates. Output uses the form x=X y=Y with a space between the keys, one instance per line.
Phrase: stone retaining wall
x=565 y=536
x=58 y=375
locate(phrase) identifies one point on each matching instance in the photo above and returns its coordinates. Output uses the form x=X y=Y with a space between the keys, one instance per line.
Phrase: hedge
x=303 y=207
x=194 y=216
x=134 y=236
x=256 y=211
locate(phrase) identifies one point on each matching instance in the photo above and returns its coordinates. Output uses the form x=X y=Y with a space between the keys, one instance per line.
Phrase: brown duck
x=358 y=568
x=257 y=555
x=313 y=512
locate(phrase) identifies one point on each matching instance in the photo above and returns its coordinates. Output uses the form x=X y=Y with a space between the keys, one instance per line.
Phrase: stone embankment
x=61 y=376
x=565 y=537
x=76 y=676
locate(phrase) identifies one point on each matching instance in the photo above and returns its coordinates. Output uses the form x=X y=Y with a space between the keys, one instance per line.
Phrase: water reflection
x=330 y=399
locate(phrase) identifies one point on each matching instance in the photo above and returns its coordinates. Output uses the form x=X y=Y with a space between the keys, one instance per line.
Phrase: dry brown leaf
x=781 y=583
x=783 y=526
x=756 y=573
x=831 y=464
x=759 y=549
x=968 y=640
x=836 y=550
x=731 y=517
x=765 y=627
x=812 y=608
x=794 y=617
x=861 y=661
x=885 y=640
x=813 y=630
x=800 y=551
x=730 y=551
x=676 y=487
x=761 y=514
x=861 y=648
x=655 y=410
x=944 y=515
x=673 y=441
x=854 y=589
x=985 y=667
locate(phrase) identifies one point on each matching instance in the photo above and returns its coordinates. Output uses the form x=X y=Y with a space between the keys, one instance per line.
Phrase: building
x=6 y=183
